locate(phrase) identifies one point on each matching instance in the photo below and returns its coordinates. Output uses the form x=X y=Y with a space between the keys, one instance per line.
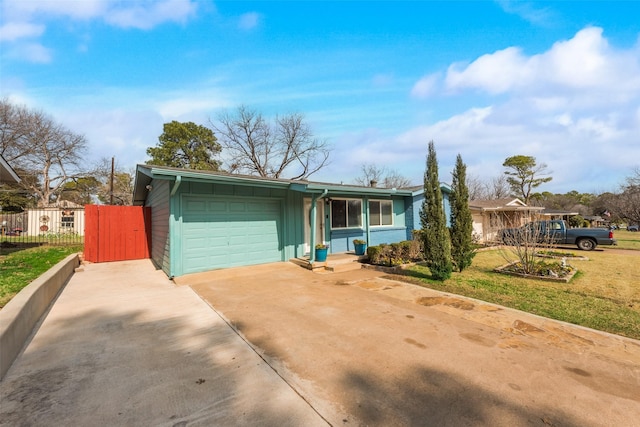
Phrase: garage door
x=229 y=232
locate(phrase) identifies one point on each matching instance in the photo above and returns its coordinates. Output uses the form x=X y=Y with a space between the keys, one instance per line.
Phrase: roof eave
x=6 y=168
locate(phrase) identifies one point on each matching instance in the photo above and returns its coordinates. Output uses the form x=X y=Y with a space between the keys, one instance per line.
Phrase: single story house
x=204 y=220
x=597 y=221
x=489 y=216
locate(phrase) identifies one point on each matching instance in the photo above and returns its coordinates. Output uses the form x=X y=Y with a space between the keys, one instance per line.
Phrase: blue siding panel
x=388 y=235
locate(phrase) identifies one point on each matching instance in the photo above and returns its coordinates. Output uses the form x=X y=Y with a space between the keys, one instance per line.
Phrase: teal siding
x=223 y=225
x=230 y=231
x=158 y=200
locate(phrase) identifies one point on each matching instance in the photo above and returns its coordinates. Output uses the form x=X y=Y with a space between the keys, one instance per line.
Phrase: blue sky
x=556 y=80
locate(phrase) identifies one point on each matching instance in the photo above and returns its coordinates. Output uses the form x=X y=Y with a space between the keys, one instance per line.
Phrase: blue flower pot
x=360 y=248
x=321 y=254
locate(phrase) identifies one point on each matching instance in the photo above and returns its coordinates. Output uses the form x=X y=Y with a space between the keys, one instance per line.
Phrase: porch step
x=335 y=263
x=339 y=268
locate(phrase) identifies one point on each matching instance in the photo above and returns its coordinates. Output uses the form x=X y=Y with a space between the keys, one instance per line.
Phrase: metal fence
x=34 y=227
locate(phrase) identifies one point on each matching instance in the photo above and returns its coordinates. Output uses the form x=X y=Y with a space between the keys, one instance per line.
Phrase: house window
x=380 y=212
x=67 y=219
x=346 y=213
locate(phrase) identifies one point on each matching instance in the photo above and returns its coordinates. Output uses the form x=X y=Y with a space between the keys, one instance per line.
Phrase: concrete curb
x=22 y=313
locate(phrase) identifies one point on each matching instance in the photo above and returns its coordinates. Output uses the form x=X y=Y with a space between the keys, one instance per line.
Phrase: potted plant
x=360 y=246
x=321 y=252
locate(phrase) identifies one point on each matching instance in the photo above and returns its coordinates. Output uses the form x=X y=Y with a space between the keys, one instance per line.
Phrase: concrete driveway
x=368 y=351
x=124 y=346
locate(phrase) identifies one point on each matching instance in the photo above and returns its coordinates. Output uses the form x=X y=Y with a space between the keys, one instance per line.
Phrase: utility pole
x=111 y=181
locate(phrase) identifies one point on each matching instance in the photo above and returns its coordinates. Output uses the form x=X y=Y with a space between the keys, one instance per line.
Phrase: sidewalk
x=123 y=345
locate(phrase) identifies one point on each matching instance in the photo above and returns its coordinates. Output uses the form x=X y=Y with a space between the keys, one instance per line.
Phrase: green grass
x=604 y=294
x=19 y=268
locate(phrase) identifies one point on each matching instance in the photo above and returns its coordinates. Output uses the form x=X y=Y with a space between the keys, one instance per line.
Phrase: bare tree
x=372 y=175
x=256 y=147
x=492 y=189
x=522 y=245
x=14 y=129
x=627 y=204
x=122 y=190
x=393 y=179
x=476 y=187
x=40 y=148
x=498 y=188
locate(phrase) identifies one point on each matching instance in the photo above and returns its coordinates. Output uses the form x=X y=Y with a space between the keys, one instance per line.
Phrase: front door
x=307 y=224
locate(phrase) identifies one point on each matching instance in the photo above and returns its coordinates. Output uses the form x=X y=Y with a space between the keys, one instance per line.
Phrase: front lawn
x=19 y=268
x=604 y=294
x=627 y=239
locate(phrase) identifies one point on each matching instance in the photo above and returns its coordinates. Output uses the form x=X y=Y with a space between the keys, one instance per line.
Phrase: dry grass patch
x=604 y=294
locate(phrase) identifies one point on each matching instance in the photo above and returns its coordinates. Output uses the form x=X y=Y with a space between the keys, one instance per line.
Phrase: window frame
x=67 y=220
x=346 y=214
x=380 y=202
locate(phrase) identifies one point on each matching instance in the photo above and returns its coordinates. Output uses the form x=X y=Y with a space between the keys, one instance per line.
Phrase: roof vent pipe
x=373 y=183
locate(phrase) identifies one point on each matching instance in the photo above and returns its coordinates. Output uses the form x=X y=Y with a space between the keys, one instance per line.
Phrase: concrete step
x=335 y=263
x=338 y=268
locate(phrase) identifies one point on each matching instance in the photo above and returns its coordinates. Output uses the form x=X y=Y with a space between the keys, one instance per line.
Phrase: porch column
x=366 y=220
x=312 y=234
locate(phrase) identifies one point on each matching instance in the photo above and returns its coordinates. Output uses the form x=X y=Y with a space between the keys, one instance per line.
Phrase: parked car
x=557 y=232
x=633 y=228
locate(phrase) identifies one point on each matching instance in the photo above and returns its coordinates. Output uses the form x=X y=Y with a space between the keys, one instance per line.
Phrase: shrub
x=395 y=253
x=374 y=253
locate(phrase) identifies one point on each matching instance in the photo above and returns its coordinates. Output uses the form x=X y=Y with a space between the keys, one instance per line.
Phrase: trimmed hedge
x=394 y=254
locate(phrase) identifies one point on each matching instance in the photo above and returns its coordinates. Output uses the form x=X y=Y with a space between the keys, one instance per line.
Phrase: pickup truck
x=556 y=232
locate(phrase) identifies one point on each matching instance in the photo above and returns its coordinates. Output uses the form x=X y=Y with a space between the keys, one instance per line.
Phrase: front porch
x=344 y=261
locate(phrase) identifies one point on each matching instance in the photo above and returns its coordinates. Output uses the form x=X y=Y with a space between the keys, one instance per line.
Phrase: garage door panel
x=216 y=206
x=237 y=207
x=219 y=233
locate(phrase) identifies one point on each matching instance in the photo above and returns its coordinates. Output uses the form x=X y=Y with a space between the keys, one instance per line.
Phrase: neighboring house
x=551 y=214
x=62 y=217
x=7 y=174
x=597 y=221
x=489 y=216
x=203 y=220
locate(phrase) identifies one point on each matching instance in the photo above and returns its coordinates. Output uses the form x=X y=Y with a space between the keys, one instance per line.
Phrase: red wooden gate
x=116 y=233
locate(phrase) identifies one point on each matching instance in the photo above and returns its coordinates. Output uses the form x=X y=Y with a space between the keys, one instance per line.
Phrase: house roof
x=511 y=204
x=146 y=173
x=7 y=174
x=547 y=211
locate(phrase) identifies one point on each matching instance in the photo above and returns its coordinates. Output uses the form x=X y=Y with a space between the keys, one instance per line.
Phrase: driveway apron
x=124 y=346
x=385 y=353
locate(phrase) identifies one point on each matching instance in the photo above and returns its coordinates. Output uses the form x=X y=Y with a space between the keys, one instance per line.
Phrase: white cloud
x=528 y=11
x=32 y=52
x=494 y=73
x=27 y=19
x=584 y=66
x=79 y=9
x=426 y=86
x=575 y=107
x=150 y=13
x=249 y=21
x=12 y=31
x=184 y=106
x=27 y=16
